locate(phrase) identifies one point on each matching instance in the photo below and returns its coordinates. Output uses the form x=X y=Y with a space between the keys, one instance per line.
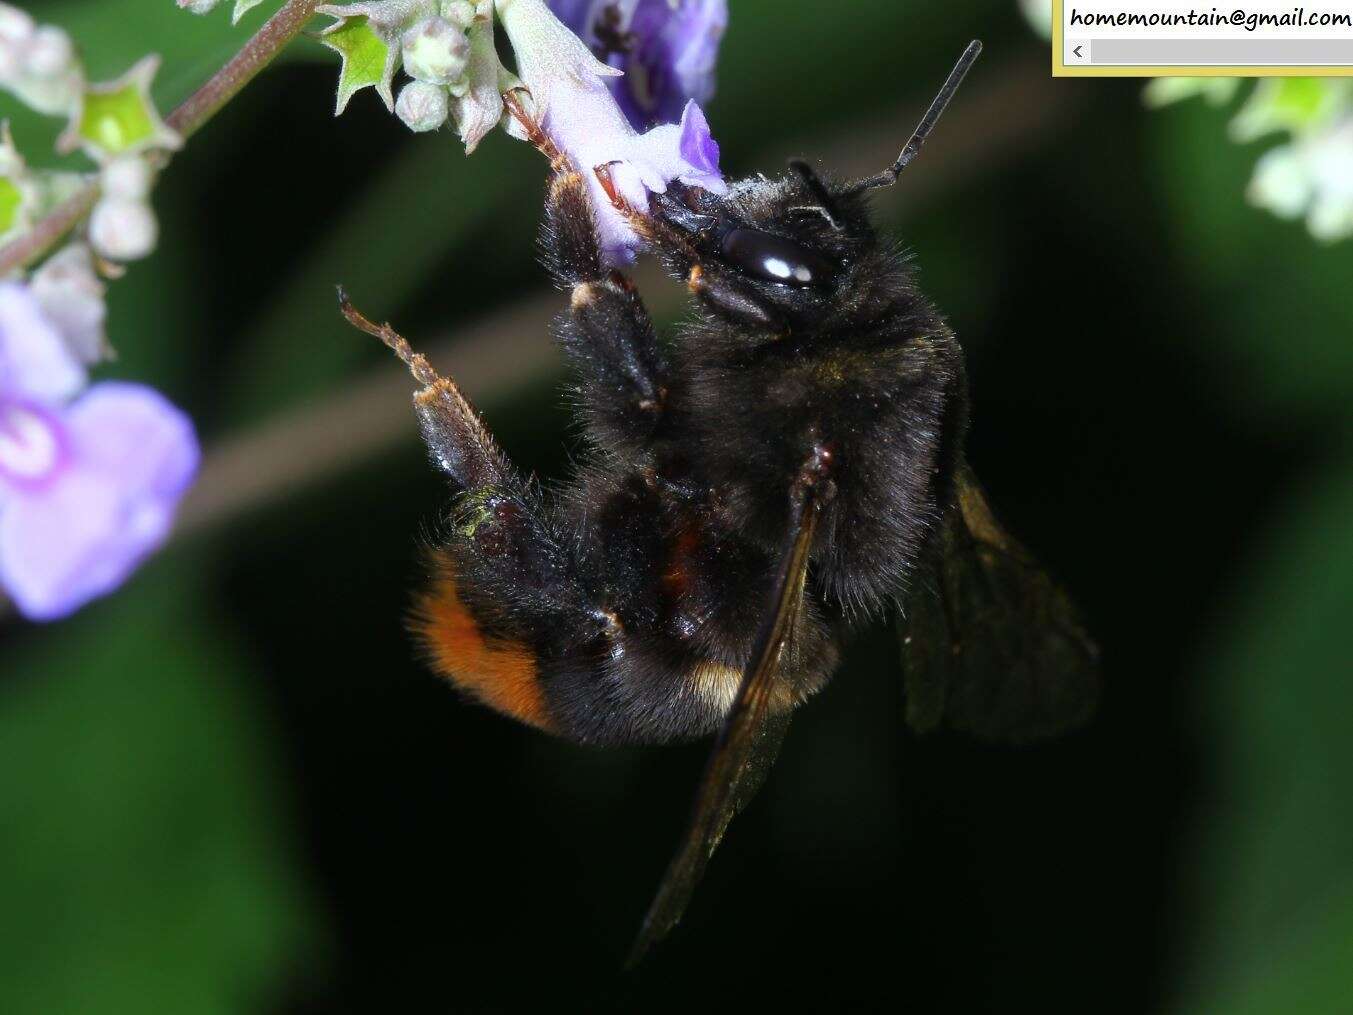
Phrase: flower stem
x=190 y=116
x=48 y=230
x=257 y=53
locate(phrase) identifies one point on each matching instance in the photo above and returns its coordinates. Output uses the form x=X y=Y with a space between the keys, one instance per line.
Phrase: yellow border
x=1061 y=70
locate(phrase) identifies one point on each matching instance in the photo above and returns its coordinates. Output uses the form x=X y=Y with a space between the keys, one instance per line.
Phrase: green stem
x=257 y=53
x=187 y=119
x=47 y=232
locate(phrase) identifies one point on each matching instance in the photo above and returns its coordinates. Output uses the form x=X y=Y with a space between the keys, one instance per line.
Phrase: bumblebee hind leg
x=504 y=575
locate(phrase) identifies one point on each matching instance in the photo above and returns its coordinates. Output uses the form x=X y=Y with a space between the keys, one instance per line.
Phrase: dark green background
x=231 y=787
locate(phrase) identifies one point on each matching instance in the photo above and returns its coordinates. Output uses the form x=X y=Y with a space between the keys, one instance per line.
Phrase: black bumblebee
x=788 y=468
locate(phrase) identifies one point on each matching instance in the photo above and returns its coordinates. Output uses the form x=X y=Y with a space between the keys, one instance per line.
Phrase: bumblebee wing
x=990 y=643
x=748 y=743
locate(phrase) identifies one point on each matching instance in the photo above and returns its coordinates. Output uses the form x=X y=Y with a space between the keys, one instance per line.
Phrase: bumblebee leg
x=730 y=300
x=606 y=332
x=460 y=444
x=526 y=609
x=504 y=581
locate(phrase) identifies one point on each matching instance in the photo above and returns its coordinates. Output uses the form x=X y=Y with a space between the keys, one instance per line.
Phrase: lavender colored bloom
x=697 y=145
x=668 y=50
x=89 y=486
x=570 y=99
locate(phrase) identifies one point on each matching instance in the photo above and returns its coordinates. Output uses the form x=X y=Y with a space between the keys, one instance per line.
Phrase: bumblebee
x=788 y=468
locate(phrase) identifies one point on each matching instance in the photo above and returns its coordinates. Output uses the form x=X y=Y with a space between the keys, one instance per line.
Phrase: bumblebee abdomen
x=498 y=672
x=642 y=643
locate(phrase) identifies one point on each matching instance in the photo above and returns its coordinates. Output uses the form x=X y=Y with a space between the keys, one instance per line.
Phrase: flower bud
x=122 y=229
x=436 y=51
x=1282 y=182
x=71 y=294
x=458 y=12
x=127 y=177
x=38 y=64
x=16 y=26
x=49 y=52
x=422 y=106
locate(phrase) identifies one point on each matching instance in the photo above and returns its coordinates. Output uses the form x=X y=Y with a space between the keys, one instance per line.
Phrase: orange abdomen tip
x=499 y=673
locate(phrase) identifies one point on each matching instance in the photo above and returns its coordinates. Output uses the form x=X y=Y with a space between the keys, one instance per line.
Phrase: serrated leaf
x=368 y=60
x=119 y=117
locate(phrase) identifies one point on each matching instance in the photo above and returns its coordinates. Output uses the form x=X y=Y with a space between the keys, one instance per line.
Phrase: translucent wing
x=990 y=643
x=748 y=743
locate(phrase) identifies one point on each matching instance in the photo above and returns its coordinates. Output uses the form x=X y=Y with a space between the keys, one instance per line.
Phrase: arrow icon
x=1077 y=52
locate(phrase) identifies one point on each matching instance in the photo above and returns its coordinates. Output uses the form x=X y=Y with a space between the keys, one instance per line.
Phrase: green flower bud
x=423 y=106
x=436 y=51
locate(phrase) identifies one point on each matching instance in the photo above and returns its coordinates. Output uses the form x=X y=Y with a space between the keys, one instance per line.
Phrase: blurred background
x=232 y=787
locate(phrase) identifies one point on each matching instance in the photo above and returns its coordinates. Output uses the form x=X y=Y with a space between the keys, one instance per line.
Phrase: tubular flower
x=668 y=50
x=571 y=101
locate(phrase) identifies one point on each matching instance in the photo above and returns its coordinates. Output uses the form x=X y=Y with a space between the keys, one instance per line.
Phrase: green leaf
x=1277 y=905
x=11 y=200
x=368 y=60
x=1296 y=105
x=145 y=869
x=1306 y=970
x=119 y=117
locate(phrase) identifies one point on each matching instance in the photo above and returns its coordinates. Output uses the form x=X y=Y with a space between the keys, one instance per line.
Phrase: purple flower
x=697 y=145
x=668 y=50
x=89 y=480
x=570 y=100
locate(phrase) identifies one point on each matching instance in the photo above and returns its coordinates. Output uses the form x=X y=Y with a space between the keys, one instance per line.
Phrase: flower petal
x=83 y=535
x=580 y=115
x=668 y=50
x=697 y=145
x=681 y=59
x=33 y=447
x=34 y=360
x=65 y=546
x=548 y=54
x=481 y=107
x=136 y=437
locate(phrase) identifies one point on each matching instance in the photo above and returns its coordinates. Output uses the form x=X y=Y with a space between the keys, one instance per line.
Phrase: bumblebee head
x=772 y=255
x=785 y=255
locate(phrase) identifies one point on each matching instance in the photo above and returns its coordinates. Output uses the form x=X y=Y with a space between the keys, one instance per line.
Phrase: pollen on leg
x=584 y=293
x=696 y=280
x=569 y=180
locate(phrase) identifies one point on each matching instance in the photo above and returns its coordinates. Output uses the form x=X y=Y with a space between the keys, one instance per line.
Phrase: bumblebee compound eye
x=775 y=259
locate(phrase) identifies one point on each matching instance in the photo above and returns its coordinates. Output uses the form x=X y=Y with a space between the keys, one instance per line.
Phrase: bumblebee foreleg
x=606 y=332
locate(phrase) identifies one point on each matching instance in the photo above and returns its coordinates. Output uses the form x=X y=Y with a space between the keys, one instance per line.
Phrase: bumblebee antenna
x=932 y=115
